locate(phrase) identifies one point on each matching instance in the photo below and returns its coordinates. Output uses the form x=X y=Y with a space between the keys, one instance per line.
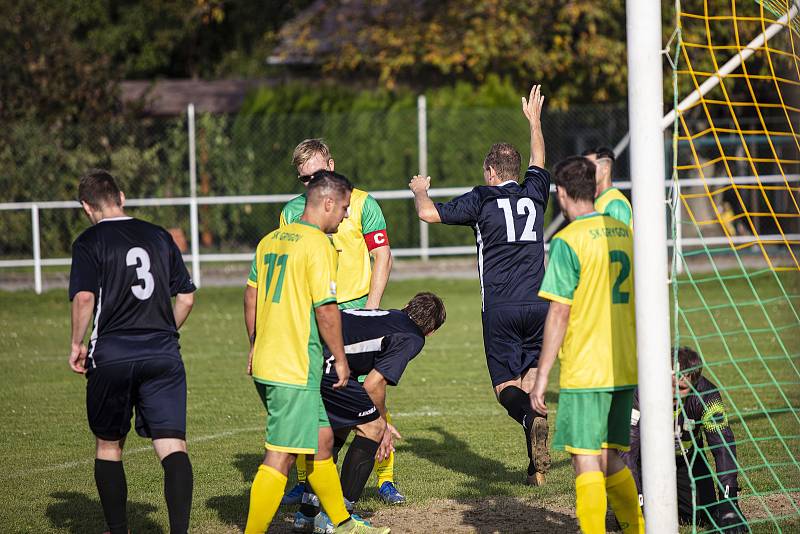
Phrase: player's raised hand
x=342 y=372
x=77 y=358
x=532 y=107
x=419 y=183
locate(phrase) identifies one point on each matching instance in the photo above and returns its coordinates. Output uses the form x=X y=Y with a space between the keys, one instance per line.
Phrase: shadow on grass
x=76 y=513
x=232 y=509
x=499 y=514
x=487 y=476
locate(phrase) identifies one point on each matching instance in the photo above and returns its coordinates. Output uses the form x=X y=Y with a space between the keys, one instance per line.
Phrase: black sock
x=518 y=405
x=113 y=490
x=357 y=466
x=338 y=442
x=178 y=482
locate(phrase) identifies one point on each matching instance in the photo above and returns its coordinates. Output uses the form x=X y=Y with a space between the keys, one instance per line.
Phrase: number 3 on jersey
x=139 y=258
x=272 y=261
x=524 y=205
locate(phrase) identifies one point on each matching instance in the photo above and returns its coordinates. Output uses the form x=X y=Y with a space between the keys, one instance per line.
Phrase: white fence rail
x=424 y=250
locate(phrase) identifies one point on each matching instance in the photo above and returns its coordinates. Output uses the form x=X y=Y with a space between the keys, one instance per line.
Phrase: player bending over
x=290 y=301
x=126 y=271
x=591 y=328
x=700 y=412
x=378 y=344
x=507 y=220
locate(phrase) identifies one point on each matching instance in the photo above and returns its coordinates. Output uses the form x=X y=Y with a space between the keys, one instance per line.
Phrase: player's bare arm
x=426 y=211
x=532 y=108
x=182 y=307
x=375 y=386
x=381 y=267
x=329 y=322
x=250 y=296
x=555 y=327
x=82 y=306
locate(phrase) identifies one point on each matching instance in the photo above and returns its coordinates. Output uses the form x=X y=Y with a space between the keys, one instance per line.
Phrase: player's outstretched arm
x=329 y=323
x=426 y=211
x=182 y=308
x=82 y=306
x=555 y=327
x=532 y=108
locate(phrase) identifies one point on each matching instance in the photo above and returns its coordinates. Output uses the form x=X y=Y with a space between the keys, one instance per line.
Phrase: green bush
x=372 y=134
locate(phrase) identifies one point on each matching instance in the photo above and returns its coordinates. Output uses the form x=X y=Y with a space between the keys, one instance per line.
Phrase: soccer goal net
x=736 y=266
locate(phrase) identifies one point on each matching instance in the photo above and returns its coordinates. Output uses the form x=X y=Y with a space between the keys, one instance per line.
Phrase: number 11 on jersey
x=272 y=261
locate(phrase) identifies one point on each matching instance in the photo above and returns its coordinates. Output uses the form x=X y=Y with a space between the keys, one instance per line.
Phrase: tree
x=577 y=48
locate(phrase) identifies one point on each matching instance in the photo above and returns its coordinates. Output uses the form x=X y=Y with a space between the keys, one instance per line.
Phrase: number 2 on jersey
x=618 y=256
x=524 y=205
x=272 y=261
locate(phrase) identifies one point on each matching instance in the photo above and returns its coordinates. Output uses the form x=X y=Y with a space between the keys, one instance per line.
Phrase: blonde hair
x=307 y=149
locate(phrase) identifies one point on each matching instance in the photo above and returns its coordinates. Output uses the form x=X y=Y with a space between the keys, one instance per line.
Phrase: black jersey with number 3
x=133 y=268
x=508 y=223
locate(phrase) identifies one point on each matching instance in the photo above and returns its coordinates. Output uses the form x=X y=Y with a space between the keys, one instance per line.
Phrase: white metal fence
x=423 y=251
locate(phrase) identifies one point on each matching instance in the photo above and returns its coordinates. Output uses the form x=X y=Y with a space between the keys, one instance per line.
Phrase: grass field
x=461 y=461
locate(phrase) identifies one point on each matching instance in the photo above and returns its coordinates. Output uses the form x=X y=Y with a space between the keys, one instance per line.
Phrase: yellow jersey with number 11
x=294 y=270
x=590 y=268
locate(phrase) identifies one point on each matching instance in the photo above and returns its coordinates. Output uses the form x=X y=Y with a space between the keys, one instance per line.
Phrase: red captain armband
x=378 y=238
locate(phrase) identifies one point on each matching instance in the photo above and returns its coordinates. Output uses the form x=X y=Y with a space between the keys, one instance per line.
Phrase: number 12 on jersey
x=272 y=261
x=524 y=205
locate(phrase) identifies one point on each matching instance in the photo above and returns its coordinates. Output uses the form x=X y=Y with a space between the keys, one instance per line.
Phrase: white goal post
x=645 y=108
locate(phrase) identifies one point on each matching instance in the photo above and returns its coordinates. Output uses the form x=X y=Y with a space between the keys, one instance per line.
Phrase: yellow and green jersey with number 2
x=294 y=270
x=590 y=269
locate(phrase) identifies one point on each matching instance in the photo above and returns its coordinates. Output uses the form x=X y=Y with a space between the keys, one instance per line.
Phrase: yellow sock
x=590 y=489
x=624 y=499
x=325 y=482
x=265 y=496
x=300 y=463
x=385 y=468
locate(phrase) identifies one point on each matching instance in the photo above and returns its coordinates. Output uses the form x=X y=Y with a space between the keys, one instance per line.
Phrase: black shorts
x=512 y=339
x=348 y=407
x=156 y=388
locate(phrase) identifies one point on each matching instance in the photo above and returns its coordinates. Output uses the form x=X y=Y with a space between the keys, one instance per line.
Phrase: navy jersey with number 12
x=508 y=223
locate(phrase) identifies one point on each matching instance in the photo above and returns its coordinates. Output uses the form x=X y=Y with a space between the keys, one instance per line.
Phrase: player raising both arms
x=591 y=327
x=290 y=300
x=507 y=220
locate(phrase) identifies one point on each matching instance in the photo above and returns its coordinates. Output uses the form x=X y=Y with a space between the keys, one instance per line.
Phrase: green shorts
x=588 y=421
x=354 y=304
x=294 y=417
